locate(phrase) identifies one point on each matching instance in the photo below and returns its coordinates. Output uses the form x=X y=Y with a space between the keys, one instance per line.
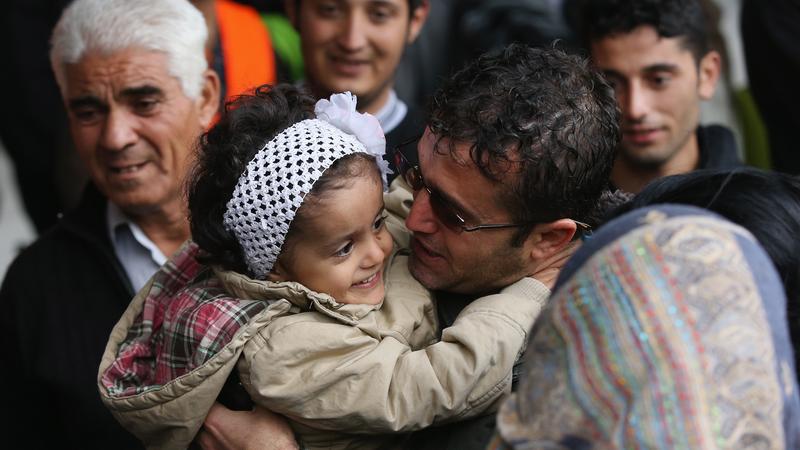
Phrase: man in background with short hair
x=656 y=54
x=356 y=46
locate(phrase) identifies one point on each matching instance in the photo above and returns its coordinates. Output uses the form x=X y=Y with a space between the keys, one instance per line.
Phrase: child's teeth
x=368 y=279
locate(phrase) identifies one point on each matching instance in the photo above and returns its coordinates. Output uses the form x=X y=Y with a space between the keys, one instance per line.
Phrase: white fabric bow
x=340 y=111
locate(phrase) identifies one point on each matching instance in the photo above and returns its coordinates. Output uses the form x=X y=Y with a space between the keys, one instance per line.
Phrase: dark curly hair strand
x=543 y=112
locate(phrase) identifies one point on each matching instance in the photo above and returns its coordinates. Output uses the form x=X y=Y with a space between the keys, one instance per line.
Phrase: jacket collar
x=301 y=297
x=88 y=223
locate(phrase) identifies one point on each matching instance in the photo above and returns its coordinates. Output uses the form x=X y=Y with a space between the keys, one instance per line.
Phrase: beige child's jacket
x=346 y=376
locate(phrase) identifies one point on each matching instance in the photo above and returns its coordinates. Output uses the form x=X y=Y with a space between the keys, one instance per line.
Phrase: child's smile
x=342 y=244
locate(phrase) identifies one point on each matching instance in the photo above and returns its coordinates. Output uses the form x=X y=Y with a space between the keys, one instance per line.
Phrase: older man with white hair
x=138 y=91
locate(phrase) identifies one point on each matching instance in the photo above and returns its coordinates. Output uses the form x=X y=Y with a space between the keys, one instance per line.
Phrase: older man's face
x=134 y=127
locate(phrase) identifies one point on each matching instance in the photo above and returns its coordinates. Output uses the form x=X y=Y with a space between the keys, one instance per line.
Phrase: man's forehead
x=448 y=167
x=463 y=154
x=446 y=149
x=362 y=2
x=123 y=70
x=640 y=46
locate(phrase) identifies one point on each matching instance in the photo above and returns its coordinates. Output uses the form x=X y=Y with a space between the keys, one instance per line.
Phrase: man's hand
x=549 y=269
x=259 y=429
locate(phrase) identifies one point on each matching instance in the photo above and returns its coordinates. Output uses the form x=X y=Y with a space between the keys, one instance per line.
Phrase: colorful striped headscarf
x=666 y=330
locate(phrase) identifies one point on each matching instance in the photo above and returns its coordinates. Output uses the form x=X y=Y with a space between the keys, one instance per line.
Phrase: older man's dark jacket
x=60 y=299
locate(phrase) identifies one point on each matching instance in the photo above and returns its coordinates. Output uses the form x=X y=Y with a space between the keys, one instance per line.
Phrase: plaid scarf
x=186 y=319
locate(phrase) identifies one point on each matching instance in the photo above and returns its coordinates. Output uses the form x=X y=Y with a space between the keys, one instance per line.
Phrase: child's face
x=342 y=246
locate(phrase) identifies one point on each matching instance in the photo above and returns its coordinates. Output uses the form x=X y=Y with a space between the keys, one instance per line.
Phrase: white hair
x=173 y=27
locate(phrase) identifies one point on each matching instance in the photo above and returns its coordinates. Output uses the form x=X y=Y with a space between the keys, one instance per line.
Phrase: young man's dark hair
x=671 y=18
x=547 y=111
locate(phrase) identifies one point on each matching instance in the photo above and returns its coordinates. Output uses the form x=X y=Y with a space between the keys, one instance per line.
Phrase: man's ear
x=709 y=72
x=418 y=18
x=547 y=239
x=208 y=99
x=290 y=9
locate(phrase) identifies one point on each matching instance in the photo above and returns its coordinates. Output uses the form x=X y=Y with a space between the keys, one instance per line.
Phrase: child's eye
x=379 y=222
x=345 y=250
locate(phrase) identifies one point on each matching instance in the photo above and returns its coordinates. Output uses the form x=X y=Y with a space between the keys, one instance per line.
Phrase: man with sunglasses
x=512 y=168
x=513 y=163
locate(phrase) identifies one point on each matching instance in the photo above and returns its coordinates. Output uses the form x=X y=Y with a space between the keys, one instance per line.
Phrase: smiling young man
x=136 y=84
x=657 y=56
x=356 y=46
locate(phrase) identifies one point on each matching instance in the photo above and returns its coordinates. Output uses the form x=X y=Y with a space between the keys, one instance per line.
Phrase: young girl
x=292 y=281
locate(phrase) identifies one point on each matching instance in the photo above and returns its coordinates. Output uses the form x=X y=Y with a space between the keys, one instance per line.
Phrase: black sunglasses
x=442 y=209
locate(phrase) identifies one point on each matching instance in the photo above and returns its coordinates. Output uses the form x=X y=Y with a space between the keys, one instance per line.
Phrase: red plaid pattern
x=187 y=318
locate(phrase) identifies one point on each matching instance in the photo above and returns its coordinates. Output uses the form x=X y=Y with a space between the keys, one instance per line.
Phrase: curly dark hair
x=246 y=124
x=671 y=18
x=545 y=112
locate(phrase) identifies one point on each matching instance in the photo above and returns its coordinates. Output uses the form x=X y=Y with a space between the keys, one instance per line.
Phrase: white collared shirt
x=139 y=256
x=392 y=113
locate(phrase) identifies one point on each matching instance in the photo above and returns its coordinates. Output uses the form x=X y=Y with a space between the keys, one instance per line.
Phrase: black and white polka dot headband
x=277 y=179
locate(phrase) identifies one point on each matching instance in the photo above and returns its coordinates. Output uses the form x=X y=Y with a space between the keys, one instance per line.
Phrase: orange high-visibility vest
x=247 y=52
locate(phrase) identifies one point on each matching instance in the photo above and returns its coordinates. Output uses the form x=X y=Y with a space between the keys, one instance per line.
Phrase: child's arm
x=332 y=376
x=398 y=204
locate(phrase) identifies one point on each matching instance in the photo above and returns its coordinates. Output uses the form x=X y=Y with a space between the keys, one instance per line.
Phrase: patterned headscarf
x=666 y=330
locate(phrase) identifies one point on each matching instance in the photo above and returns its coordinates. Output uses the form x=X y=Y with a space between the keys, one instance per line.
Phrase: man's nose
x=353 y=34
x=635 y=102
x=118 y=131
x=421 y=218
